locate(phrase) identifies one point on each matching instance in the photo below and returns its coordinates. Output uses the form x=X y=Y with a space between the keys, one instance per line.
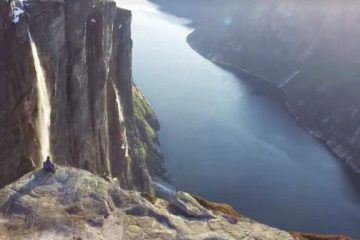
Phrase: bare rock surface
x=189 y=206
x=75 y=204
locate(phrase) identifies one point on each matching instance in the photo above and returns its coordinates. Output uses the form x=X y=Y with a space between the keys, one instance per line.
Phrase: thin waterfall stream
x=125 y=145
x=43 y=104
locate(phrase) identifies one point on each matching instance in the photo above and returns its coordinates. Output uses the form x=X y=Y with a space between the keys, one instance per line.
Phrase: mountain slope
x=308 y=49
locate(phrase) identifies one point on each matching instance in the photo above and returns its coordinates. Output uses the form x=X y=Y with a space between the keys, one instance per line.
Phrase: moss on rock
x=145 y=124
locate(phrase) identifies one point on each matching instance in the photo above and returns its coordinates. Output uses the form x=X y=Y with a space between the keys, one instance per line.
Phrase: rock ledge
x=75 y=204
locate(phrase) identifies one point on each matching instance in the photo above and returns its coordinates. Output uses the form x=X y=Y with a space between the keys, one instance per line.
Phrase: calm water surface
x=226 y=142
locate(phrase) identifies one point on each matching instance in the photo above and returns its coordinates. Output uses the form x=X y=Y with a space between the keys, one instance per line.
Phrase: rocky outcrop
x=84 y=48
x=75 y=204
x=309 y=50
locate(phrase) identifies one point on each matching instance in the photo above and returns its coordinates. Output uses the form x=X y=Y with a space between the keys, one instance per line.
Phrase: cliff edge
x=75 y=204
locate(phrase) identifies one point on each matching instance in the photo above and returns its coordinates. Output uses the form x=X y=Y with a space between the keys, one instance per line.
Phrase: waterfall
x=44 y=108
x=125 y=145
x=164 y=190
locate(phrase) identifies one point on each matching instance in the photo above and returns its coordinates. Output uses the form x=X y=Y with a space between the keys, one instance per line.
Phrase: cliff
x=75 y=204
x=81 y=51
x=309 y=50
x=66 y=91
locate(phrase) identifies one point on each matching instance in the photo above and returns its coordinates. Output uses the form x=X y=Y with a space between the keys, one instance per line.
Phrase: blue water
x=226 y=142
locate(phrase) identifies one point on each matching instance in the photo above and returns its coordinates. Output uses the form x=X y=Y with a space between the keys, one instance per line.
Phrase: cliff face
x=66 y=91
x=307 y=49
x=84 y=49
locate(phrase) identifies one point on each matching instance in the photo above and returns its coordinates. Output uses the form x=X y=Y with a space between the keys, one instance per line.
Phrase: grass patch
x=142 y=113
x=219 y=207
x=147 y=126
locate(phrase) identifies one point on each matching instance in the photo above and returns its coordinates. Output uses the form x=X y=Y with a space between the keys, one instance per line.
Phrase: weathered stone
x=74 y=203
x=189 y=206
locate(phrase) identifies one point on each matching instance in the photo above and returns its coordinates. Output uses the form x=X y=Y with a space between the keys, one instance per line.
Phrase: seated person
x=49 y=166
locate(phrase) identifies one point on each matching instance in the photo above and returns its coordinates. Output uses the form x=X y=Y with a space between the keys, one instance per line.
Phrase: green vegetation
x=143 y=112
x=147 y=126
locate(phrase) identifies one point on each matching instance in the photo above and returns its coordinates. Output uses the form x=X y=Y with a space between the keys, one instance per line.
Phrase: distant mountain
x=308 y=49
